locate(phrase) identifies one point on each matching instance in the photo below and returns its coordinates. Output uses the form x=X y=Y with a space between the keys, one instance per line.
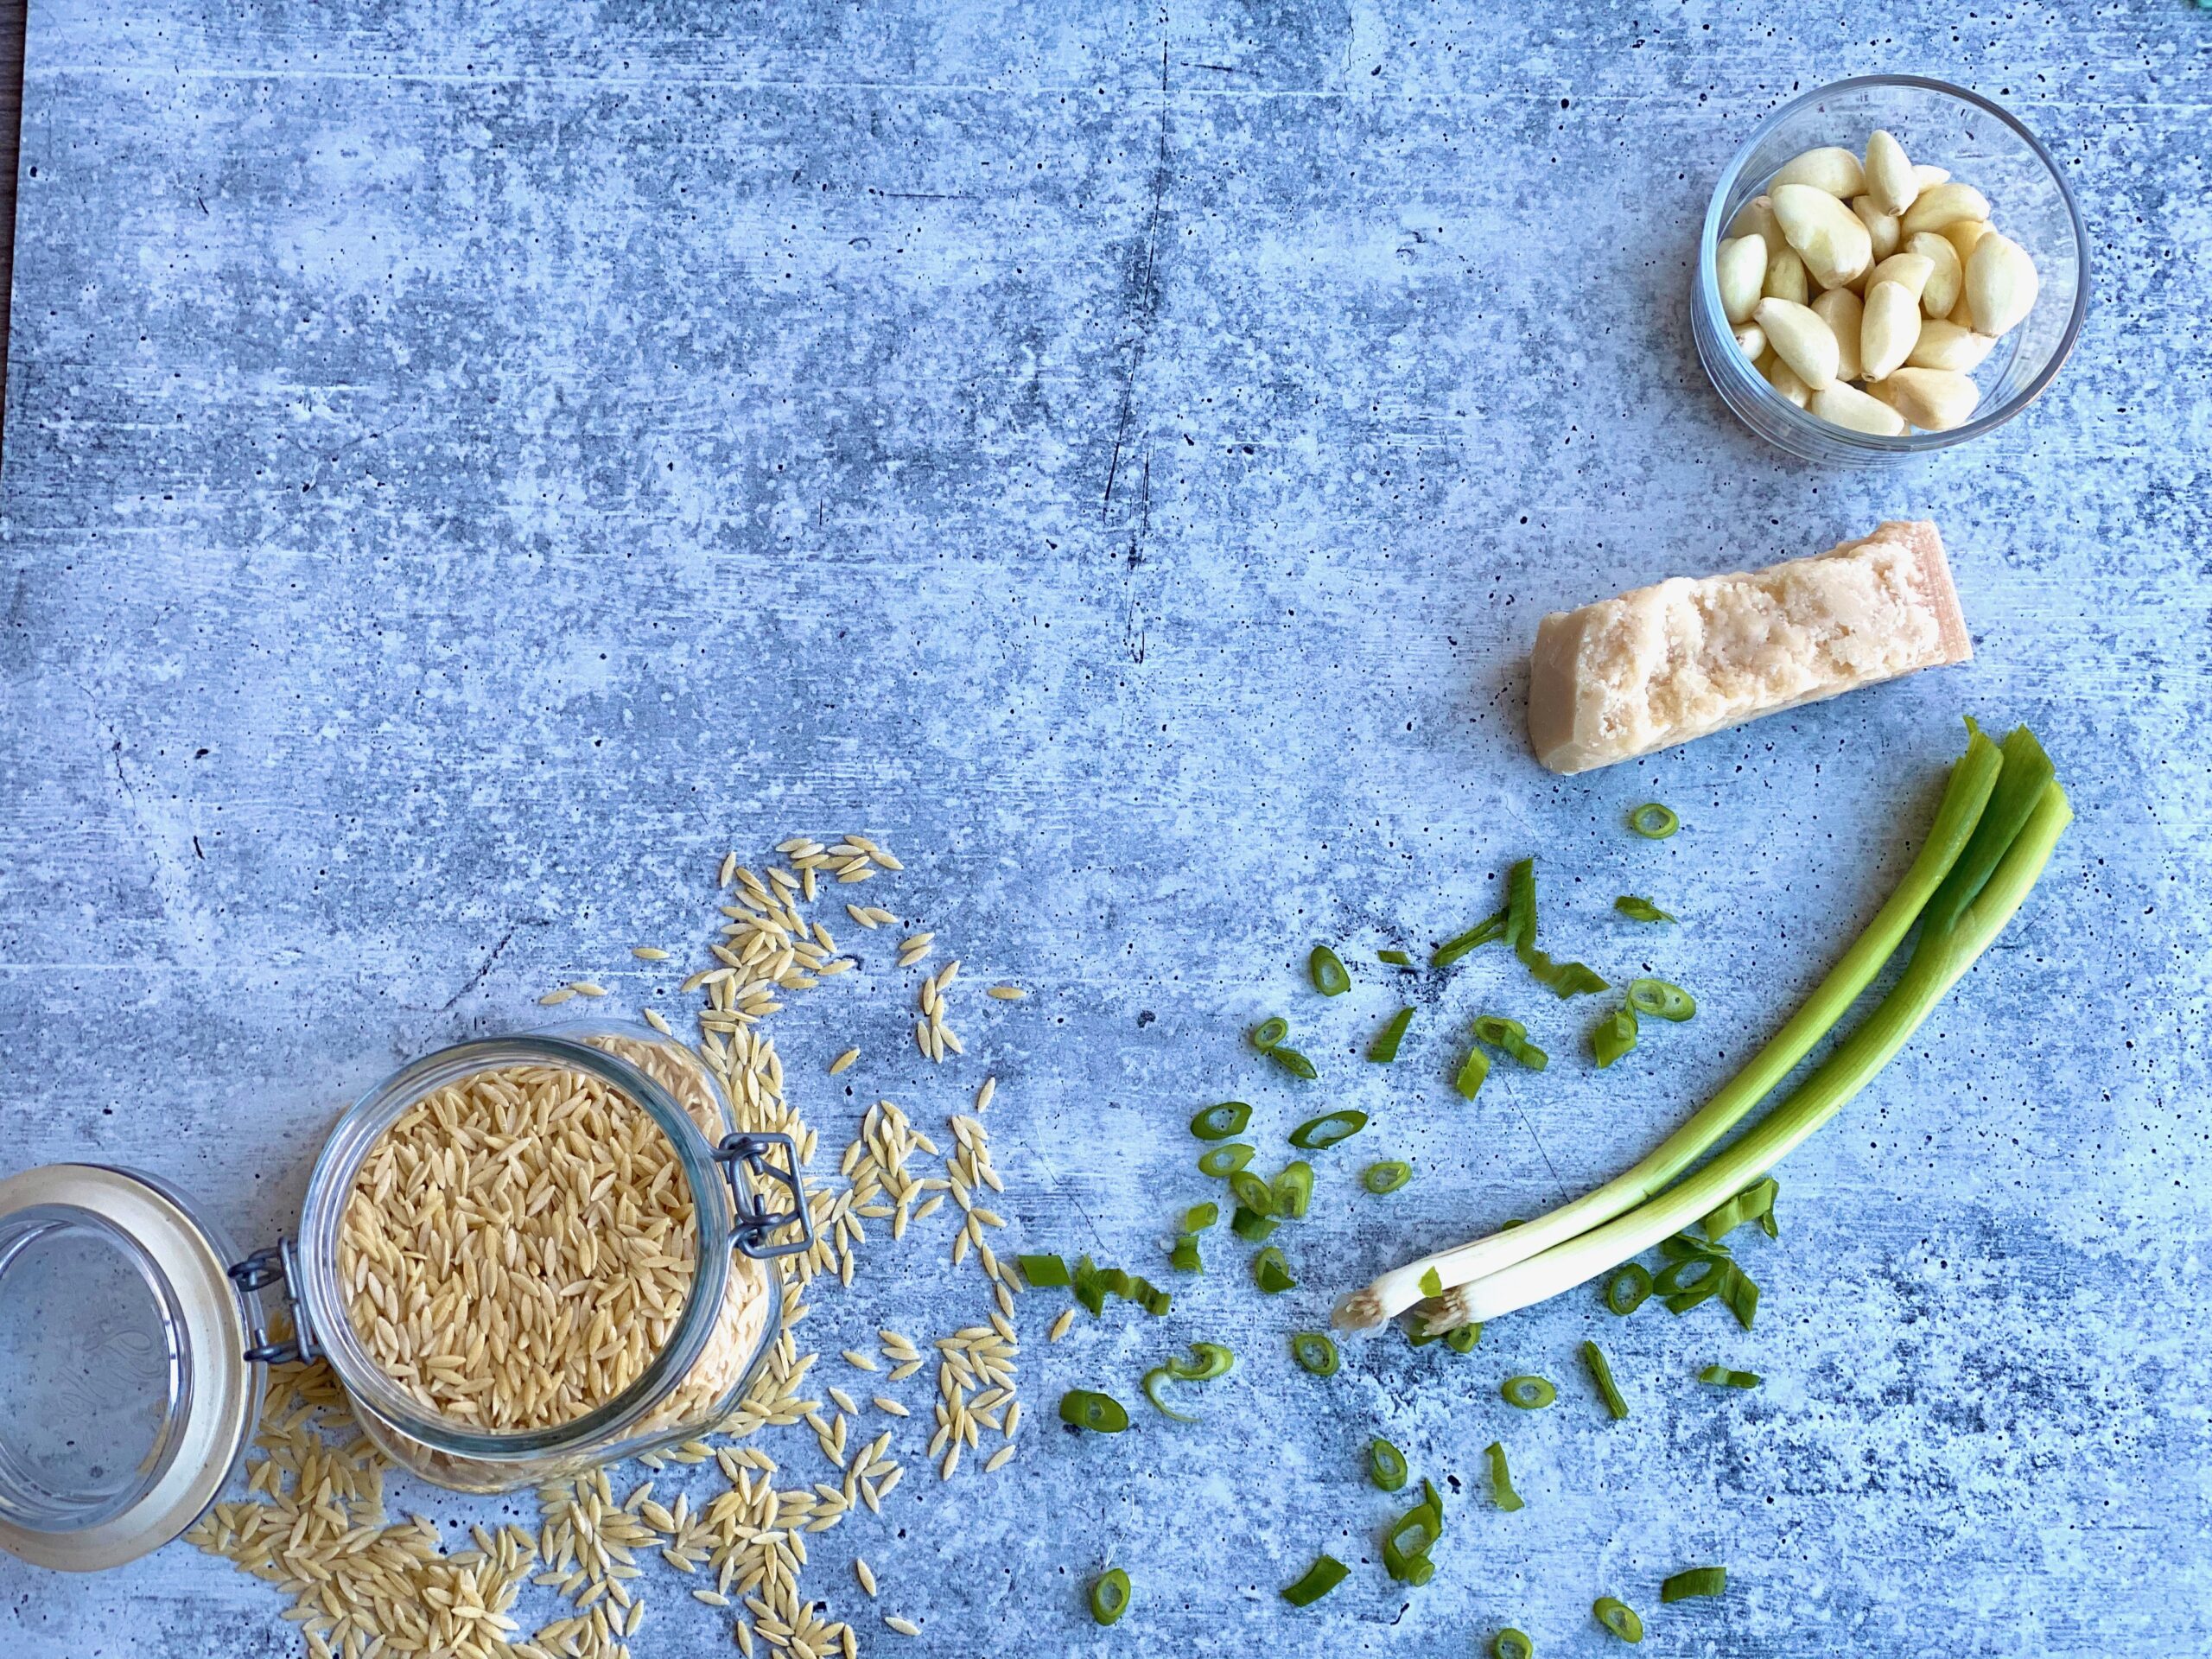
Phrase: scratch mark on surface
x=1147 y=294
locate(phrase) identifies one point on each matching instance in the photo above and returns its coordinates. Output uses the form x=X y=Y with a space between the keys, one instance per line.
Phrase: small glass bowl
x=1946 y=126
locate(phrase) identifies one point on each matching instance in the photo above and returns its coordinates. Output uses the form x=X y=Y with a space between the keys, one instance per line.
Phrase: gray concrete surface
x=466 y=467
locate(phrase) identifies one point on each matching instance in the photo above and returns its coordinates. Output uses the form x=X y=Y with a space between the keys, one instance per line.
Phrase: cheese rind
x=1666 y=663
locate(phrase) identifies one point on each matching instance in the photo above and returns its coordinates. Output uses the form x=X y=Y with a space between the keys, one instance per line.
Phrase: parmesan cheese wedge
x=1663 y=664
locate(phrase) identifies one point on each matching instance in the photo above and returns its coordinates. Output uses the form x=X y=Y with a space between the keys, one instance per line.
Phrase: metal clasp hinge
x=273 y=1265
x=754 y=1221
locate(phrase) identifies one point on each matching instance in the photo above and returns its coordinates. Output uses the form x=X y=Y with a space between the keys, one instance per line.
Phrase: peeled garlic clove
x=1909 y=271
x=1783 y=379
x=1785 y=275
x=2000 y=285
x=1935 y=399
x=1928 y=177
x=1839 y=308
x=1756 y=218
x=1739 y=272
x=1891 y=183
x=1941 y=291
x=1751 y=340
x=1881 y=229
x=1961 y=236
x=1842 y=405
x=1890 y=328
x=1832 y=169
x=1946 y=204
x=1800 y=339
x=1830 y=239
x=1946 y=346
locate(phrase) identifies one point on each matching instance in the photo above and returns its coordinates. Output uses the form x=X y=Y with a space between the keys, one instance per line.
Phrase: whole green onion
x=1043 y=1272
x=1472 y=1071
x=1315 y=1351
x=1219 y=1122
x=1268 y=1034
x=1325 y=1575
x=1387 y=1176
x=1602 y=1375
x=1618 y=1617
x=1086 y=1408
x=1695 y=1581
x=1110 y=1595
x=1614 y=1037
x=1661 y=997
x=1386 y=1465
x=1219 y=1161
x=1317 y=1134
x=1384 y=1048
x=1722 y=1376
x=1271 y=1273
x=1654 y=821
x=1626 y=1290
x=1293 y=1062
x=1500 y=1478
x=1640 y=910
x=1326 y=969
x=1529 y=1393
x=1509 y=1644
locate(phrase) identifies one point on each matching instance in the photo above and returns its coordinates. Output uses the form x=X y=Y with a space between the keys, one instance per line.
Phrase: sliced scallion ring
x=1184 y=1257
x=1208 y=1360
x=1087 y=1408
x=1529 y=1393
x=1618 y=1617
x=1640 y=910
x=1384 y=1048
x=1152 y=1379
x=1395 y=958
x=1627 y=1289
x=1654 y=821
x=1694 y=1581
x=1462 y=1339
x=1509 y=1644
x=1386 y=1465
x=1293 y=1062
x=1613 y=1038
x=1254 y=1194
x=1661 y=998
x=1110 y=1595
x=1219 y=1122
x=1501 y=1479
x=1472 y=1071
x=1271 y=1273
x=1315 y=1351
x=1317 y=1133
x=1221 y=1161
x=1294 y=1189
x=1722 y=1376
x=1269 y=1033
x=1602 y=1375
x=1386 y=1177
x=1326 y=969
x=1325 y=1575
x=1252 y=1229
x=1200 y=1217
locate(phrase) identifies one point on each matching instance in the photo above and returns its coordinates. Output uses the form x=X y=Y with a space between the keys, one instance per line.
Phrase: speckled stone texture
x=467 y=467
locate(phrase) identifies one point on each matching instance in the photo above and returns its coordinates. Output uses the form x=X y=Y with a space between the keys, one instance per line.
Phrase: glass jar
x=133 y=1339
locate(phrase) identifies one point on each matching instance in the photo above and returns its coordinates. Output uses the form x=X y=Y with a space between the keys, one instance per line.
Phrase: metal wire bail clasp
x=754 y=1221
x=273 y=1265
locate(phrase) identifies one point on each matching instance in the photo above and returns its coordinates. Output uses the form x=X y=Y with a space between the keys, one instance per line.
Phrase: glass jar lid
x=126 y=1392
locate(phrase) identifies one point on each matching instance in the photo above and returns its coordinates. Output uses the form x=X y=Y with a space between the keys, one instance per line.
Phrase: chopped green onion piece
x=1218 y=1161
x=1293 y=1062
x=1395 y=958
x=1626 y=1290
x=1384 y=1048
x=1602 y=1375
x=1462 y=1339
x=1564 y=979
x=1501 y=1479
x=1252 y=1229
x=1432 y=1283
x=1661 y=997
x=1654 y=821
x=1686 y=1247
x=1200 y=1217
x=1386 y=1177
x=1271 y=1273
x=1754 y=1203
x=1690 y=1273
x=1044 y=1272
x=1090 y=1291
x=1697 y=1581
x=1418 y=1335
x=1219 y=1122
x=1315 y=1351
x=1086 y=1408
x=1325 y=1575
x=1640 y=910
x=1485 y=932
x=1420 y=1571
x=1152 y=1379
x=1254 y=1194
x=1268 y=1034
x=1412 y=1536
x=1509 y=1644
x=1317 y=1134
x=1326 y=969
x=1741 y=1295
x=1184 y=1258
x=1618 y=1617
x=1110 y=1595
x=1614 y=1037
x=1148 y=1296
x=1511 y=1036
x=1472 y=1071
x=1294 y=1189
x=1208 y=1360
x=1723 y=1377
x=1386 y=1465
x=1529 y=1393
